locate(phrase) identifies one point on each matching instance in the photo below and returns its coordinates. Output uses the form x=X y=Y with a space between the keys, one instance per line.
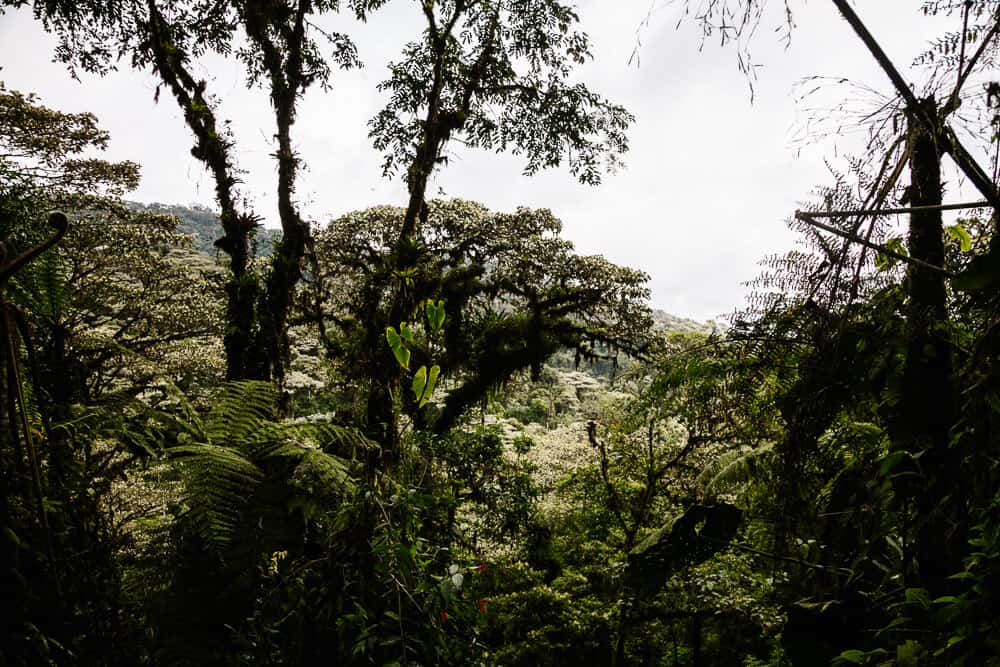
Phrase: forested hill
x=682 y=324
x=202 y=223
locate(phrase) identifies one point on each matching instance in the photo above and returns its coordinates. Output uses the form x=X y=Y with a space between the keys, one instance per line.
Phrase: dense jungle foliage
x=434 y=434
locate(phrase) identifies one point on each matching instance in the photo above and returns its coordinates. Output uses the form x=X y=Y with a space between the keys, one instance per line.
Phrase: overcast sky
x=710 y=178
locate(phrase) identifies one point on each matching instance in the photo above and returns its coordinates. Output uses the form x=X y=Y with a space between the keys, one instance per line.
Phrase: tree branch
x=614 y=500
x=971 y=168
x=935 y=126
x=806 y=218
x=58 y=220
x=902 y=88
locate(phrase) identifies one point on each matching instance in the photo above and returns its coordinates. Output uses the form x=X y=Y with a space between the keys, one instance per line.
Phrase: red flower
x=443 y=615
x=482 y=568
x=481 y=603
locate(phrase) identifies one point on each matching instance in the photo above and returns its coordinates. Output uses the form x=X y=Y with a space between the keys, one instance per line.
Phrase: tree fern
x=220 y=482
x=240 y=411
x=245 y=446
x=160 y=417
x=330 y=437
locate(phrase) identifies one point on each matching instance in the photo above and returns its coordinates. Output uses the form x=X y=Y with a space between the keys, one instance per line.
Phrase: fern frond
x=736 y=469
x=316 y=471
x=240 y=411
x=221 y=482
x=159 y=417
x=319 y=473
x=41 y=287
x=245 y=444
x=330 y=437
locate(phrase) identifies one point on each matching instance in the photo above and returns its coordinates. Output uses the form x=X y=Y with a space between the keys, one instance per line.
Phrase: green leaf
x=853 y=656
x=435 y=314
x=402 y=356
x=405 y=332
x=392 y=337
x=918 y=596
x=951 y=642
x=946 y=599
x=893 y=459
x=431 y=383
x=959 y=233
x=884 y=261
x=398 y=349
x=406 y=275
x=419 y=384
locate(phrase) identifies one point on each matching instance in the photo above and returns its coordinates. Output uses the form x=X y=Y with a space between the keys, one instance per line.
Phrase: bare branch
x=876 y=50
x=806 y=218
x=971 y=168
x=896 y=211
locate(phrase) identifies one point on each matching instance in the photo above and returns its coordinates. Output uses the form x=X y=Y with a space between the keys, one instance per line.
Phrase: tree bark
x=928 y=406
x=285 y=70
x=928 y=372
x=213 y=151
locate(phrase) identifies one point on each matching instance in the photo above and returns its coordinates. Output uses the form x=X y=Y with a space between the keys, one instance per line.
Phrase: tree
x=924 y=419
x=283 y=54
x=872 y=338
x=495 y=75
x=492 y=75
x=512 y=290
x=54 y=475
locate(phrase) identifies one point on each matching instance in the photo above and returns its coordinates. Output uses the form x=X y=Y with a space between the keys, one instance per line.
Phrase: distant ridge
x=682 y=324
x=202 y=223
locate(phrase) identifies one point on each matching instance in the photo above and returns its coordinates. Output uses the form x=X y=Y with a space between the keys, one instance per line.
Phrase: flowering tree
x=282 y=51
x=513 y=291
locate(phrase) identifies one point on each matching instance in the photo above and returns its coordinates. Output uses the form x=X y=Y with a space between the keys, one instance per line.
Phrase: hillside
x=682 y=324
x=202 y=223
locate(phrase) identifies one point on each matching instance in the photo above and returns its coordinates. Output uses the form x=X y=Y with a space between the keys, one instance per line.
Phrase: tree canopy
x=513 y=291
x=432 y=433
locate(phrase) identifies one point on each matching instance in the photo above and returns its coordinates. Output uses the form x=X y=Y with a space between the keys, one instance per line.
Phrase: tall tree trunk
x=927 y=392
x=286 y=264
x=238 y=228
x=929 y=400
x=928 y=407
x=283 y=63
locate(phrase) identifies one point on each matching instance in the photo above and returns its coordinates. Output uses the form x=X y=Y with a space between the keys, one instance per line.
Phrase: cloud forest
x=430 y=432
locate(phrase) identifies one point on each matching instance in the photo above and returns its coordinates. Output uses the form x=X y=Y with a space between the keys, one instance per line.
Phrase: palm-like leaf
x=246 y=446
x=41 y=287
x=735 y=469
